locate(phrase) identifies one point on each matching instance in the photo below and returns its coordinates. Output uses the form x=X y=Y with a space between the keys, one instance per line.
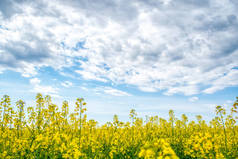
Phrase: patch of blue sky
x=79 y=59
x=235 y=68
x=12 y=77
x=70 y=74
x=228 y=93
x=102 y=107
x=95 y=83
x=78 y=46
x=3 y=27
x=15 y=85
x=62 y=44
x=48 y=73
x=106 y=67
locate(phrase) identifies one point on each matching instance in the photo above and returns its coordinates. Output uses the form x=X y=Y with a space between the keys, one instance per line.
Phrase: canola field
x=50 y=131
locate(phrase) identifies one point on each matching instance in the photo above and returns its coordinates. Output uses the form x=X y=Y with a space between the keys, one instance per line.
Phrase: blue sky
x=151 y=56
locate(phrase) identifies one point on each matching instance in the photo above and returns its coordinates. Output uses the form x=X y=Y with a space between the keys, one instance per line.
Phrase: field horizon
x=49 y=131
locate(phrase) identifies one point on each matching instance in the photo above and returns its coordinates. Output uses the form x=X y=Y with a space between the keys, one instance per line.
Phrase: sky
x=147 y=55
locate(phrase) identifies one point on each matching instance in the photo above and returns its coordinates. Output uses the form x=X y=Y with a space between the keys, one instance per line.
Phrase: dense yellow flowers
x=47 y=131
x=159 y=149
x=203 y=145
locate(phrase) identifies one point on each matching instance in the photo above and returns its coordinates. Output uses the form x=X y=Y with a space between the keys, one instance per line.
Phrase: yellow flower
x=149 y=153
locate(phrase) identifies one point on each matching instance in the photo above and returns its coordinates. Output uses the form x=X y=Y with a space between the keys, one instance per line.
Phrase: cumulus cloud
x=116 y=92
x=47 y=90
x=193 y=99
x=111 y=91
x=152 y=45
x=35 y=81
x=228 y=80
x=67 y=84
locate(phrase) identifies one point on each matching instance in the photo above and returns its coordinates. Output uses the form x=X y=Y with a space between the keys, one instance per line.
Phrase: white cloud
x=187 y=90
x=152 y=45
x=67 y=84
x=116 y=92
x=28 y=70
x=193 y=99
x=47 y=90
x=229 y=101
x=111 y=91
x=84 y=88
x=35 y=81
x=148 y=89
x=90 y=76
x=228 y=80
x=1 y=71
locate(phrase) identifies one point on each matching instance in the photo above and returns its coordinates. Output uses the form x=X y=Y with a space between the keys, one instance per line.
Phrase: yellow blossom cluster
x=203 y=145
x=48 y=131
x=158 y=149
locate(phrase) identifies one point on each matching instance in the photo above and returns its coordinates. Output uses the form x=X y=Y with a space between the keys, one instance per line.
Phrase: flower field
x=50 y=131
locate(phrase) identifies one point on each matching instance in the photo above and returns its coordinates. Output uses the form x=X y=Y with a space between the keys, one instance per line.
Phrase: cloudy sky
x=150 y=55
